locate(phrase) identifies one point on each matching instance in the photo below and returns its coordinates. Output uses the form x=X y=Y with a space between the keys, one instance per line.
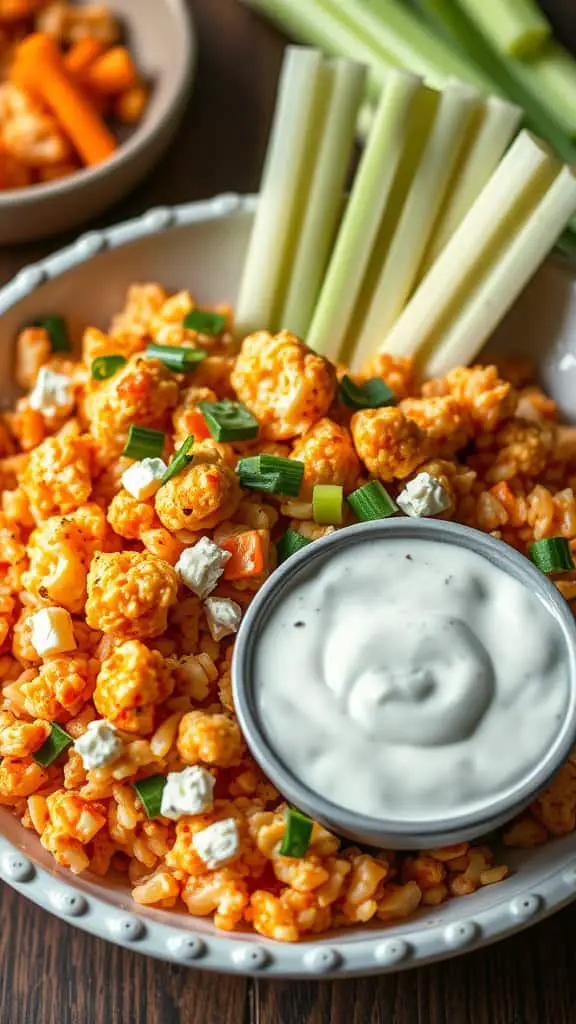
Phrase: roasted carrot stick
x=112 y=73
x=39 y=67
x=82 y=54
x=247 y=551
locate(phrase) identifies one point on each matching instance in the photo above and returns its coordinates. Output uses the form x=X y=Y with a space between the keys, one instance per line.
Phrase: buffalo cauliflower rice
x=116 y=636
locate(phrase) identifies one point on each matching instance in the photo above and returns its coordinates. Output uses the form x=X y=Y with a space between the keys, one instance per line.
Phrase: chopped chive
x=150 y=792
x=175 y=357
x=181 y=459
x=372 y=502
x=271 y=474
x=327 y=500
x=204 y=322
x=289 y=544
x=372 y=394
x=296 y=839
x=56 y=328
x=106 y=366
x=143 y=443
x=229 y=421
x=57 y=742
x=552 y=555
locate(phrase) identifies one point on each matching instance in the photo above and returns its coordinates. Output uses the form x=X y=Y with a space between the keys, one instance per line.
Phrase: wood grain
x=51 y=973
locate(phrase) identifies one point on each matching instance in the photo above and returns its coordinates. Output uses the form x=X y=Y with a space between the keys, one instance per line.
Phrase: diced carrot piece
x=131 y=104
x=247 y=551
x=196 y=425
x=82 y=54
x=112 y=73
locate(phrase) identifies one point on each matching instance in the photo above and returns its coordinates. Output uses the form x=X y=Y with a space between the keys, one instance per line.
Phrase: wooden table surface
x=53 y=974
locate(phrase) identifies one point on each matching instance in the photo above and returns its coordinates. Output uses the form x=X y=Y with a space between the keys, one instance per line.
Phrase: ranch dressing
x=410 y=679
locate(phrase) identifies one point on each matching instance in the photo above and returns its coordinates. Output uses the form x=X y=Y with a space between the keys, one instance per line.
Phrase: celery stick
x=291 y=150
x=554 y=74
x=491 y=132
x=418 y=216
x=324 y=203
x=372 y=187
x=510 y=78
x=399 y=34
x=496 y=210
x=515 y=27
x=506 y=277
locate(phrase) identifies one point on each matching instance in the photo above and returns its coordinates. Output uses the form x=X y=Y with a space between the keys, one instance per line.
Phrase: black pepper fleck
x=299 y=625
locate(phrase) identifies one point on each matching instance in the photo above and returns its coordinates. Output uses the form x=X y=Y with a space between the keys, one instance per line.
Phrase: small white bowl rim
x=138 y=140
x=353 y=824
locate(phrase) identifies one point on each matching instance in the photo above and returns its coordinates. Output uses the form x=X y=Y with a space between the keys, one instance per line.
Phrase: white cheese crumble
x=100 y=745
x=143 y=479
x=187 y=792
x=223 y=616
x=52 y=631
x=218 y=843
x=424 y=496
x=201 y=566
x=52 y=392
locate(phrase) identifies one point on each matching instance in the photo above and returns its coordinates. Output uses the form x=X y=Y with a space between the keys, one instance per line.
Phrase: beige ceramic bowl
x=161 y=36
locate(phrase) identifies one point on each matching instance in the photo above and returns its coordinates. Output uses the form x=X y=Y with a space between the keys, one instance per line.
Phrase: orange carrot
x=39 y=67
x=82 y=54
x=130 y=105
x=196 y=424
x=112 y=73
x=247 y=551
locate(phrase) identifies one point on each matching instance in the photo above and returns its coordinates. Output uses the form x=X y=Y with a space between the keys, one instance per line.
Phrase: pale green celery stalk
x=510 y=78
x=423 y=202
x=289 y=160
x=325 y=198
x=506 y=278
x=313 y=22
x=554 y=74
x=418 y=128
x=400 y=34
x=515 y=27
x=498 y=210
x=495 y=124
x=371 y=190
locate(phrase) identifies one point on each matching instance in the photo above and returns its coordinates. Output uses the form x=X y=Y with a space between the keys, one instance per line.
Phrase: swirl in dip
x=411 y=680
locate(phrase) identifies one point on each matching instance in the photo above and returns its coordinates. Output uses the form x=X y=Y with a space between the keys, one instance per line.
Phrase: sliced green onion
x=372 y=394
x=289 y=544
x=106 y=366
x=176 y=357
x=56 y=328
x=296 y=839
x=552 y=555
x=271 y=474
x=182 y=459
x=372 y=502
x=327 y=502
x=205 y=323
x=150 y=792
x=229 y=421
x=57 y=742
x=144 y=443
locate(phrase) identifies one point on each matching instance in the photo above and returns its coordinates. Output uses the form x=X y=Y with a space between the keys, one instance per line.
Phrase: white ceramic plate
x=200 y=246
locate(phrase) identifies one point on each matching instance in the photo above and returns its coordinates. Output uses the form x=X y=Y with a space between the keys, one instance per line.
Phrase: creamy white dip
x=410 y=679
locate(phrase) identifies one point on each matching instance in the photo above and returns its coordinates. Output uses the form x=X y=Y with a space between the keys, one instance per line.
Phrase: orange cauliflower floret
x=19 y=739
x=390 y=445
x=57 y=476
x=205 y=494
x=220 y=893
x=143 y=302
x=328 y=456
x=72 y=816
x=141 y=393
x=187 y=416
x=128 y=517
x=130 y=683
x=398 y=372
x=129 y=593
x=63 y=684
x=95 y=344
x=212 y=738
x=488 y=398
x=522 y=449
x=446 y=423
x=60 y=551
x=286 y=385
x=20 y=777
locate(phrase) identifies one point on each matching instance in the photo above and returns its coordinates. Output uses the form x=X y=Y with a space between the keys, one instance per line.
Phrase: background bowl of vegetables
x=202 y=246
x=90 y=96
